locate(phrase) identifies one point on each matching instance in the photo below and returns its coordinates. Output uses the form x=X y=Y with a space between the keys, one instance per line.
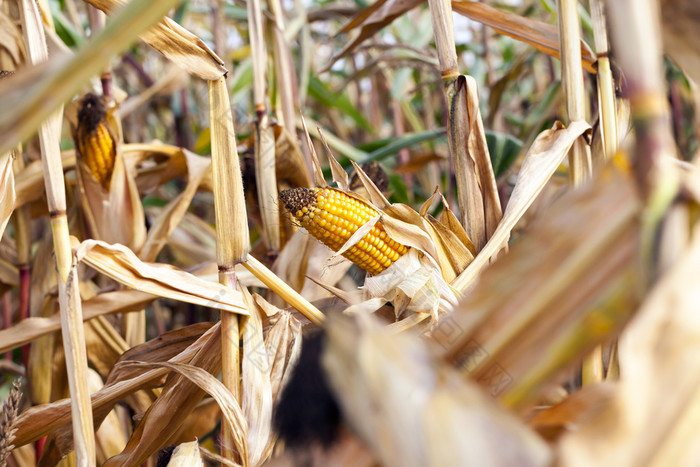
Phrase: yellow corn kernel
x=342 y=215
x=93 y=140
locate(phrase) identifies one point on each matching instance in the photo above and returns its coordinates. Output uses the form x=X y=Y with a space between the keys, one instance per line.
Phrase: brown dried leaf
x=544 y=37
x=7 y=191
x=122 y=265
x=176 y=43
x=109 y=302
x=372 y=19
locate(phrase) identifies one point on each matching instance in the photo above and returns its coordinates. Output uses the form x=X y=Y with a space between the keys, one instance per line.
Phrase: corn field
x=400 y=233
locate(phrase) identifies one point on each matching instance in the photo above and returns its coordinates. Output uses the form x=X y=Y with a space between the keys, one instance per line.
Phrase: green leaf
x=320 y=92
x=504 y=149
x=405 y=141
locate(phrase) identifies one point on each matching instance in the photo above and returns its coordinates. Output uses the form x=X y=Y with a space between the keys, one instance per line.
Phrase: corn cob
x=332 y=216
x=95 y=144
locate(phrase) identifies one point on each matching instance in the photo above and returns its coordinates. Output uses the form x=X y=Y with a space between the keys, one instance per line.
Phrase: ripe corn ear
x=93 y=140
x=332 y=216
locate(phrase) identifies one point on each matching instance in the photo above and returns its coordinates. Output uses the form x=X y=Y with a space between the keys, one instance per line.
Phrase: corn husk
x=186 y=455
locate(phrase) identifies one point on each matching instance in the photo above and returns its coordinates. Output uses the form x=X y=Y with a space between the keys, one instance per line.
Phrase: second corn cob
x=332 y=216
x=95 y=144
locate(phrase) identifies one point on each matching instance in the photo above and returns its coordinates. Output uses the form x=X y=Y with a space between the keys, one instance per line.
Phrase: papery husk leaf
x=186 y=455
x=283 y=346
x=122 y=265
x=412 y=286
x=544 y=37
x=114 y=215
x=450 y=221
x=255 y=384
x=176 y=43
x=459 y=254
x=654 y=415
x=543 y=158
x=477 y=196
x=432 y=417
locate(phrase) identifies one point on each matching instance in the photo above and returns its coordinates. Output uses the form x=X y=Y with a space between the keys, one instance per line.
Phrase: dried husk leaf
x=186 y=455
x=477 y=196
x=122 y=265
x=653 y=417
x=283 y=346
x=432 y=417
x=115 y=216
x=544 y=156
x=176 y=43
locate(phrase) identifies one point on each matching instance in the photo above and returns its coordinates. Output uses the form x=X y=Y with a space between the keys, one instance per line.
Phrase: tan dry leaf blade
x=570 y=283
x=122 y=265
x=41 y=420
x=176 y=43
x=654 y=417
x=7 y=191
x=372 y=19
x=255 y=384
x=178 y=399
x=413 y=410
x=544 y=37
x=29 y=329
x=232 y=413
x=543 y=158
x=11 y=41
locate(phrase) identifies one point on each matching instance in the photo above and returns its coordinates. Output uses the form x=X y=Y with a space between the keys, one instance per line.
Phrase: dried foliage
x=289 y=233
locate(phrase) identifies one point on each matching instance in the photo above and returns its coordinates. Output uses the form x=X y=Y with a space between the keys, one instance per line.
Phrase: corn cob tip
x=6 y=73
x=295 y=199
x=92 y=112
